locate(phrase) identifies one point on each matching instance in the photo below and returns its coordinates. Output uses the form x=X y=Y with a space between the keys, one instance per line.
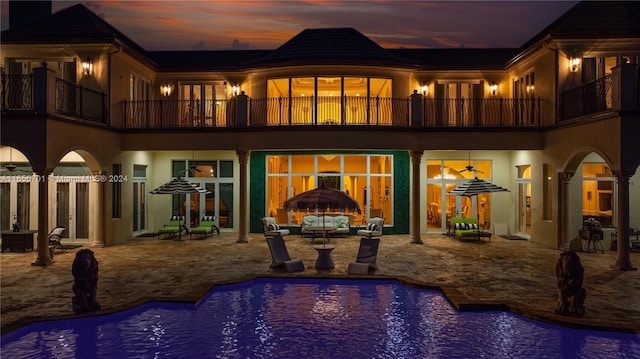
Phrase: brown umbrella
x=322 y=199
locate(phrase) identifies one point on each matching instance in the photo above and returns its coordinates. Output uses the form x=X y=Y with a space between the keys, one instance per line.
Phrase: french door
x=72 y=209
x=524 y=207
x=139 y=206
x=218 y=202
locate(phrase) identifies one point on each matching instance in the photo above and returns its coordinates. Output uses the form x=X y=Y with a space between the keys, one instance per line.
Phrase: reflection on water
x=313 y=318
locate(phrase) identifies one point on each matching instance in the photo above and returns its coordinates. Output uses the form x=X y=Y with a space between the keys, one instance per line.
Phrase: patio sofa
x=341 y=222
x=464 y=228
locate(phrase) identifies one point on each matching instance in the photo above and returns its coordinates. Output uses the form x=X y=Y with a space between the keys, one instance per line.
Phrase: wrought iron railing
x=593 y=97
x=332 y=110
x=179 y=113
x=461 y=112
x=329 y=110
x=17 y=92
x=81 y=102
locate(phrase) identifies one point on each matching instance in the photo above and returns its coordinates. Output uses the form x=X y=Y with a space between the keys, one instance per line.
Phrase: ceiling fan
x=12 y=167
x=470 y=168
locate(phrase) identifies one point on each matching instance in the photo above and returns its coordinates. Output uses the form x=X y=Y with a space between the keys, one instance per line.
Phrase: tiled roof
x=341 y=46
x=72 y=25
x=457 y=58
x=204 y=60
x=594 y=20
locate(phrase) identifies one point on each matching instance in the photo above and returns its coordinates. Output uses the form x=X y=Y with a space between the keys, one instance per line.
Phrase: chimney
x=24 y=12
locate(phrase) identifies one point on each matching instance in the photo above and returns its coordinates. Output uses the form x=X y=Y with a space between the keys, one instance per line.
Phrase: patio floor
x=516 y=274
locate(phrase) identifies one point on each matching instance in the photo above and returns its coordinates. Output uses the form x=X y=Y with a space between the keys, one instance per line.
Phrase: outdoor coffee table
x=320 y=231
x=324 y=260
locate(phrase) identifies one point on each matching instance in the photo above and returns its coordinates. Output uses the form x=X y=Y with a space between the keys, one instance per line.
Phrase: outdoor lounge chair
x=55 y=238
x=175 y=225
x=366 y=259
x=206 y=227
x=272 y=229
x=280 y=256
x=373 y=228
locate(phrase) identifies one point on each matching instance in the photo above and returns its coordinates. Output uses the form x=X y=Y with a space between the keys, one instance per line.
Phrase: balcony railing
x=71 y=99
x=484 y=112
x=81 y=102
x=332 y=110
x=17 y=92
x=593 y=97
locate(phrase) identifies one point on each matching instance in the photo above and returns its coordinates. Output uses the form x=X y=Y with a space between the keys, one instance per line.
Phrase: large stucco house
x=92 y=122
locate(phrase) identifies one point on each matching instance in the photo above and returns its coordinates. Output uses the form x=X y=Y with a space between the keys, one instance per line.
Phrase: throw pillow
x=372 y=227
x=342 y=223
x=274 y=227
x=473 y=226
x=457 y=226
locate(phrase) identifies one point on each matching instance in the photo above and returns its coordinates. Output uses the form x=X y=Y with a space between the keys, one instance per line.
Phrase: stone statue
x=85 y=283
x=571 y=295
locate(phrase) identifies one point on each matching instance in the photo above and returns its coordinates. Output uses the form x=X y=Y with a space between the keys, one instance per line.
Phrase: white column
x=416 y=158
x=565 y=177
x=243 y=236
x=42 y=176
x=96 y=199
x=623 y=260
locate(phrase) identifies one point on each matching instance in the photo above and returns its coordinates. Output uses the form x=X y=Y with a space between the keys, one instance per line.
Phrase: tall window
x=442 y=177
x=597 y=193
x=366 y=178
x=329 y=100
x=203 y=104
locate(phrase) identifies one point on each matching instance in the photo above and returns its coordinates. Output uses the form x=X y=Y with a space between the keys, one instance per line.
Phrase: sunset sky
x=209 y=25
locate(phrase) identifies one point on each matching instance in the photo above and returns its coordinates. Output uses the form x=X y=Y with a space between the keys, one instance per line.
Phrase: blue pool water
x=312 y=318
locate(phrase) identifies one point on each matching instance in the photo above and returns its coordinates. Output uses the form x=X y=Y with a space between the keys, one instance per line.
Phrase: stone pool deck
x=513 y=274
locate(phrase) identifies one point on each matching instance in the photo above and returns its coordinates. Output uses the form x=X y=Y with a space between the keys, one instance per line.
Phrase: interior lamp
x=574 y=63
x=493 y=88
x=87 y=66
x=166 y=89
x=235 y=89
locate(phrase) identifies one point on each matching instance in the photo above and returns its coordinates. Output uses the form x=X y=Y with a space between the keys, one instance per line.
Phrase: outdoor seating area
x=280 y=258
x=339 y=223
x=467 y=228
x=205 y=228
x=367 y=255
x=175 y=226
x=373 y=228
x=272 y=229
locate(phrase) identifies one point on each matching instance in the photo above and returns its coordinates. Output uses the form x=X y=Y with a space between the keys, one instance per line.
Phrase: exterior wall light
x=87 y=66
x=574 y=63
x=493 y=87
x=235 y=89
x=530 y=89
x=425 y=89
x=166 y=89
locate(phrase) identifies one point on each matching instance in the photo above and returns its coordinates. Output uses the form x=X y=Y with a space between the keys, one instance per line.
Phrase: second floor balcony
x=242 y=111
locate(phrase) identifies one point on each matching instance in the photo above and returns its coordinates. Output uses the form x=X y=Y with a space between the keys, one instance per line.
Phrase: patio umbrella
x=322 y=199
x=179 y=186
x=475 y=187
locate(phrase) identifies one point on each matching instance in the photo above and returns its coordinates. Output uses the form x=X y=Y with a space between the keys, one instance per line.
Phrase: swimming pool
x=312 y=318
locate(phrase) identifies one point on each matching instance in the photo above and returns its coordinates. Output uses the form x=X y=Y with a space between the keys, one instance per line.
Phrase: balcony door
x=203 y=104
x=459 y=103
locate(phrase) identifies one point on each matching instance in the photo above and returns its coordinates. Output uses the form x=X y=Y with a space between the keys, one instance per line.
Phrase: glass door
x=72 y=209
x=139 y=209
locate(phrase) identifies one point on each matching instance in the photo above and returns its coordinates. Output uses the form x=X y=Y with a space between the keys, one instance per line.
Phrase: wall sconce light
x=166 y=89
x=493 y=87
x=574 y=63
x=87 y=66
x=235 y=89
x=425 y=89
x=530 y=89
